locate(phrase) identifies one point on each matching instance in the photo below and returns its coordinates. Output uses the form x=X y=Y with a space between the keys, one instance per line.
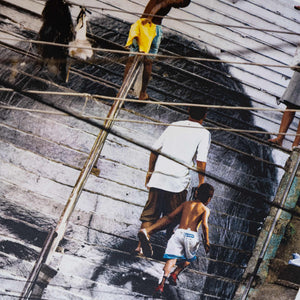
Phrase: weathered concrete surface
x=290 y=244
x=276 y=285
x=274 y=292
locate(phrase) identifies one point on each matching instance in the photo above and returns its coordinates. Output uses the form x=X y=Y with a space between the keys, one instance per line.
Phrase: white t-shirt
x=184 y=143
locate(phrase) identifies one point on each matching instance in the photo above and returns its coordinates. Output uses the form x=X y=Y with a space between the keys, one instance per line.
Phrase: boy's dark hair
x=204 y=192
x=197 y=113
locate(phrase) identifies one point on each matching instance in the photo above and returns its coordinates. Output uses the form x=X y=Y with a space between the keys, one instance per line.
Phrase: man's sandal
x=145 y=243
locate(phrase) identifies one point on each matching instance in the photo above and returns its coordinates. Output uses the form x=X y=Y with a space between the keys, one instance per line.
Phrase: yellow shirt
x=143 y=33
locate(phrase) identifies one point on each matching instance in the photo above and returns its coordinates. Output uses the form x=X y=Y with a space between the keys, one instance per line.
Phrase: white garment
x=185 y=142
x=81 y=47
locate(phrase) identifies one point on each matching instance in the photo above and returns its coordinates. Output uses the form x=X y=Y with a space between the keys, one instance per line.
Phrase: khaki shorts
x=161 y=202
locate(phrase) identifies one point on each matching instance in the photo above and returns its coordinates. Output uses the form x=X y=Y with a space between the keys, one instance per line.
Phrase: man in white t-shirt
x=168 y=180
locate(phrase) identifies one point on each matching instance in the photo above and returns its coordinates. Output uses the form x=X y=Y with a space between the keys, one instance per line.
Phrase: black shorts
x=161 y=202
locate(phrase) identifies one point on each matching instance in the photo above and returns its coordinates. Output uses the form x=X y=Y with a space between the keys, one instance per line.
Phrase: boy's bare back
x=193 y=212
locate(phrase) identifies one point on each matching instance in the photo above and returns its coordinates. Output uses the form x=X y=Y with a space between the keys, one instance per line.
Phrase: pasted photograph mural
x=85 y=123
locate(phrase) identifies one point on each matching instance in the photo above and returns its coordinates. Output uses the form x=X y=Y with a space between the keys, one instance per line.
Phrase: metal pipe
x=270 y=233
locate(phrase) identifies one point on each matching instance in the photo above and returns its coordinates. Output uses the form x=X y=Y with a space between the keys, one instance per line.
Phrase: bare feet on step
x=276 y=141
x=144 y=96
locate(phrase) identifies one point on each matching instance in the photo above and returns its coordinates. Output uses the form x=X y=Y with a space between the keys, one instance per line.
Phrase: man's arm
x=201 y=166
x=164 y=4
x=205 y=229
x=202 y=154
x=166 y=220
x=152 y=161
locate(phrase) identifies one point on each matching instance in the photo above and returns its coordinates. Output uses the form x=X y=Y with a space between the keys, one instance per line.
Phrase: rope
x=218 y=277
x=99 y=61
x=187 y=104
x=187 y=20
x=217 y=83
x=245 y=135
x=234 y=91
x=178 y=57
x=262 y=197
x=149 y=122
x=250 y=137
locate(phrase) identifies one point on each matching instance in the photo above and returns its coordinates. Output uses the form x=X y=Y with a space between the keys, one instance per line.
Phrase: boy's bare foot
x=145 y=242
x=276 y=141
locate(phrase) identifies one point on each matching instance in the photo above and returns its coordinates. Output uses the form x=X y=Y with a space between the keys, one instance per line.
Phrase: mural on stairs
x=41 y=156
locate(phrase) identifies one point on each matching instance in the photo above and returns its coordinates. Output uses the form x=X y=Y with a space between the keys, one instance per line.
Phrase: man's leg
x=138 y=249
x=128 y=65
x=146 y=78
x=173 y=201
x=151 y=212
x=286 y=121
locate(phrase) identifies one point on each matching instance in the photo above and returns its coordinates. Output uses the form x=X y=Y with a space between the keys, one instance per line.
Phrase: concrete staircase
x=42 y=154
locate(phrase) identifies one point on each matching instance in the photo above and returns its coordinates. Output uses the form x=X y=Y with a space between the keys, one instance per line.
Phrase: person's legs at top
x=286 y=121
x=297 y=137
x=134 y=48
x=128 y=65
x=146 y=78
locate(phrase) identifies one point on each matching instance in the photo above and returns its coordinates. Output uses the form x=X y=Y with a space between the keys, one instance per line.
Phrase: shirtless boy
x=185 y=241
x=154 y=12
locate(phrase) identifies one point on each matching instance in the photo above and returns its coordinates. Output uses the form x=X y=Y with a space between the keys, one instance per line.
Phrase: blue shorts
x=154 y=46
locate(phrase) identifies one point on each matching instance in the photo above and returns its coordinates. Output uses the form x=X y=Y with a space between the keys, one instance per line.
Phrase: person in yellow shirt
x=153 y=15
